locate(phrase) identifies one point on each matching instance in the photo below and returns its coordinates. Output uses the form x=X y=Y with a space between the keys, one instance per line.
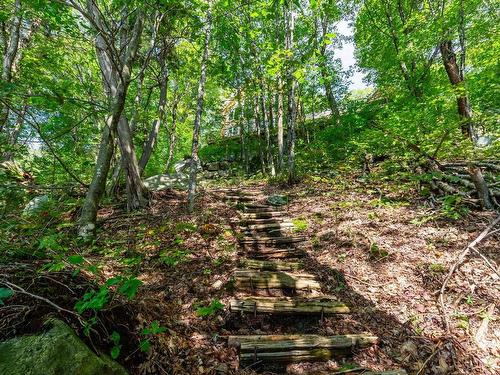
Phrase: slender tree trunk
x=172 y=132
x=259 y=136
x=279 y=123
x=456 y=79
x=265 y=121
x=15 y=132
x=10 y=57
x=199 y=111
x=88 y=215
x=136 y=193
x=292 y=105
x=153 y=134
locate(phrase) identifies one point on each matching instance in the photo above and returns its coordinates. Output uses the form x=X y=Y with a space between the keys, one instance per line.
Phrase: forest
x=301 y=187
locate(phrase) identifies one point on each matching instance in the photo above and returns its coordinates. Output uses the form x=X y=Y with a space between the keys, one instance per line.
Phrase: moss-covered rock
x=57 y=351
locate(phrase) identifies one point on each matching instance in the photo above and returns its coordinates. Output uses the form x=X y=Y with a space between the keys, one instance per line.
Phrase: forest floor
x=376 y=245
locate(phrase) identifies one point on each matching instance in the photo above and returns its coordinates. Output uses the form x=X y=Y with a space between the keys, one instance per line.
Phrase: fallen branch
x=18 y=289
x=459 y=261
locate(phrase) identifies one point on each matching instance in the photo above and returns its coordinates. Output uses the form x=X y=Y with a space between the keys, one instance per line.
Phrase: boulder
x=184 y=166
x=212 y=167
x=57 y=351
x=167 y=181
x=277 y=200
x=36 y=205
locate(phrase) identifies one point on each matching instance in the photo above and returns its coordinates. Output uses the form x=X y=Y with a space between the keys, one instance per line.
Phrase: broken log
x=289 y=305
x=253 y=279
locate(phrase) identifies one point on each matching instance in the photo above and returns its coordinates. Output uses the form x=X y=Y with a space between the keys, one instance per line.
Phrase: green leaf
x=115 y=352
x=129 y=287
x=144 y=345
x=4 y=294
x=75 y=259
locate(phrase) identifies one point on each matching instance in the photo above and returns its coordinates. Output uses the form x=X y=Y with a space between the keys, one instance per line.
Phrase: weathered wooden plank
x=250 y=343
x=274 y=253
x=252 y=279
x=266 y=265
x=272 y=225
x=262 y=215
x=268 y=240
x=289 y=305
x=296 y=348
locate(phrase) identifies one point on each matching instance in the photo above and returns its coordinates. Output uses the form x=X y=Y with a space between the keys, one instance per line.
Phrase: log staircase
x=271 y=280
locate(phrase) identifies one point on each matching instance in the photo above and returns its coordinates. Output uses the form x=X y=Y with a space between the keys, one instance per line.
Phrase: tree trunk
x=153 y=134
x=10 y=57
x=172 y=132
x=88 y=215
x=455 y=78
x=292 y=105
x=136 y=193
x=15 y=132
x=269 y=156
x=279 y=124
x=259 y=136
x=199 y=111
x=481 y=187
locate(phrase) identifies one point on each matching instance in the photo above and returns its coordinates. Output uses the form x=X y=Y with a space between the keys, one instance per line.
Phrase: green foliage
x=211 y=309
x=378 y=252
x=453 y=207
x=115 y=350
x=300 y=224
x=5 y=293
x=172 y=257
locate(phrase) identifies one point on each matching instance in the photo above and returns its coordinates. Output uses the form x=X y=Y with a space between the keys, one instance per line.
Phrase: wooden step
x=289 y=305
x=268 y=240
x=296 y=348
x=265 y=252
x=265 y=220
x=256 y=210
x=272 y=225
x=240 y=198
x=266 y=265
x=353 y=371
x=259 y=205
x=262 y=215
x=254 y=279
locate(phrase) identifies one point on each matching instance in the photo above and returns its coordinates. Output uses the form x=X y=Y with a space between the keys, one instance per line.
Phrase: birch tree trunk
x=199 y=111
x=279 y=123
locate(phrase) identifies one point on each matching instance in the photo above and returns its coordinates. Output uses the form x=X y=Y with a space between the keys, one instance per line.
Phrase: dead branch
x=18 y=289
x=459 y=261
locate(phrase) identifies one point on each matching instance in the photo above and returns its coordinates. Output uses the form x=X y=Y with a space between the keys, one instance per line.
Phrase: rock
x=217 y=284
x=36 y=205
x=277 y=200
x=57 y=351
x=184 y=166
x=166 y=181
x=212 y=167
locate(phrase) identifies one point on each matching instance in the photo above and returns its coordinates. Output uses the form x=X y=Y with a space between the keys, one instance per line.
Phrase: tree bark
x=88 y=215
x=153 y=134
x=172 y=132
x=279 y=123
x=199 y=110
x=10 y=57
x=456 y=79
x=292 y=105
